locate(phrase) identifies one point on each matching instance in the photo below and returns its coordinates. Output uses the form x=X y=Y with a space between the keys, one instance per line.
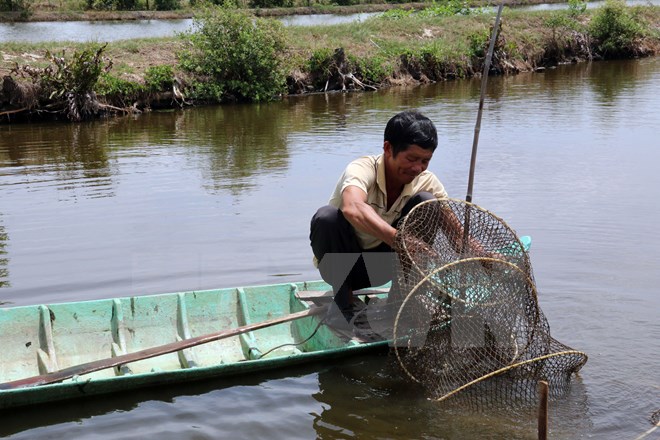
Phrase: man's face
x=406 y=165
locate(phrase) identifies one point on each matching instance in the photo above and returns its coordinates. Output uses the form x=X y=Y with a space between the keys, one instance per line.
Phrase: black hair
x=408 y=128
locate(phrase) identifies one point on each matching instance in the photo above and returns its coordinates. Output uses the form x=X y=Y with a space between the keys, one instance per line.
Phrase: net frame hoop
x=447 y=266
x=513 y=366
x=469 y=205
x=482 y=261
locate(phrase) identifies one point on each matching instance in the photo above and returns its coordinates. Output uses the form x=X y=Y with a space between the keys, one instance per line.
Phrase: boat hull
x=41 y=339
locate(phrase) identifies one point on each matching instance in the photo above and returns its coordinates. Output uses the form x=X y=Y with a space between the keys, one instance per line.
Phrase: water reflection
x=229 y=144
x=75 y=161
x=351 y=395
x=608 y=84
x=361 y=397
x=230 y=411
x=241 y=140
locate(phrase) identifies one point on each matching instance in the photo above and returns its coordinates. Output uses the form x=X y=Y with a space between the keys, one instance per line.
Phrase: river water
x=106 y=31
x=222 y=196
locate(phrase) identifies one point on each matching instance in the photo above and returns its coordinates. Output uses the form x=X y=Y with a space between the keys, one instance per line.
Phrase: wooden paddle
x=102 y=364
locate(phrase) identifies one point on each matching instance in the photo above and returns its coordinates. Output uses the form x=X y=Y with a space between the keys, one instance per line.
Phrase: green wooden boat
x=243 y=330
x=42 y=339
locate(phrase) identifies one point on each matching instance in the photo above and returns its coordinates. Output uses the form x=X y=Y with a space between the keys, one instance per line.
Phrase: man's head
x=410 y=128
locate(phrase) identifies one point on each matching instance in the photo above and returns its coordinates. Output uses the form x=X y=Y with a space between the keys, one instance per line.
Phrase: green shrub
x=373 y=70
x=271 y=3
x=447 y=9
x=614 y=28
x=167 y=5
x=396 y=14
x=321 y=66
x=576 y=7
x=435 y=9
x=235 y=56
x=432 y=62
x=159 y=78
x=24 y=7
x=119 y=91
x=478 y=43
x=320 y=61
x=112 y=5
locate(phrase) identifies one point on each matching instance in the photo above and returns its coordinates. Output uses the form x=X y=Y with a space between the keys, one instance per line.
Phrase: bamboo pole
x=477 y=126
x=484 y=81
x=543 y=410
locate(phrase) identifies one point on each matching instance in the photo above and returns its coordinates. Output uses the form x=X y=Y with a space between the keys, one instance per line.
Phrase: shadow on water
x=353 y=400
x=217 y=391
x=80 y=410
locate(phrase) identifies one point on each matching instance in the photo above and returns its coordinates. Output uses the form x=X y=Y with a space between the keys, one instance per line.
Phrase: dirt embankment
x=340 y=73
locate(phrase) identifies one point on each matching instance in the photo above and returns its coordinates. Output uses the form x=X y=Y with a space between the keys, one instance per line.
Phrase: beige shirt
x=368 y=174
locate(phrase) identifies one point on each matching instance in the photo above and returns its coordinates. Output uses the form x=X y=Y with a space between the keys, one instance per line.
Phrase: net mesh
x=469 y=325
x=655 y=418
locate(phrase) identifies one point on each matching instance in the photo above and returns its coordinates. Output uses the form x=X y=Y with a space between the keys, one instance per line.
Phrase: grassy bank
x=399 y=48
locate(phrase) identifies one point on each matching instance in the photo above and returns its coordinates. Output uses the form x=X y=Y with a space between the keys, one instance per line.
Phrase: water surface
x=222 y=196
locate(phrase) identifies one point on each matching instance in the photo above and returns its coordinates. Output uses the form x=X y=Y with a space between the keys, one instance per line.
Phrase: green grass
x=448 y=36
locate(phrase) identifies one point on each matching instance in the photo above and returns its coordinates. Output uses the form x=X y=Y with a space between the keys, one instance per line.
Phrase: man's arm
x=453 y=228
x=357 y=211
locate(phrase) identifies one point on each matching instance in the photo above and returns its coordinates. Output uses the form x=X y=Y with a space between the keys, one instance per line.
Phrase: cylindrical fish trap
x=469 y=325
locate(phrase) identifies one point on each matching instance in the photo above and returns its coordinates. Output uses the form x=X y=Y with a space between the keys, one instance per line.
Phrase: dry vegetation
x=528 y=33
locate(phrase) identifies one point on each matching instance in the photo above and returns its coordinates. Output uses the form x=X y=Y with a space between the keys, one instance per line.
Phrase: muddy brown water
x=222 y=196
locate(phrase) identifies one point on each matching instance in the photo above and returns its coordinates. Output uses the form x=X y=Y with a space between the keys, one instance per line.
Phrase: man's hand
x=357 y=211
x=417 y=248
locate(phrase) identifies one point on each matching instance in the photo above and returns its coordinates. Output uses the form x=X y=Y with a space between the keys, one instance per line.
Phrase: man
x=352 y=237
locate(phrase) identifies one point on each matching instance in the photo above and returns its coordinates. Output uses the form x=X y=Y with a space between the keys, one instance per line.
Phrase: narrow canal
x=222 y=196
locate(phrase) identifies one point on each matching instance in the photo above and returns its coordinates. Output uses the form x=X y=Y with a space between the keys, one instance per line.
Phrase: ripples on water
x=222 y=196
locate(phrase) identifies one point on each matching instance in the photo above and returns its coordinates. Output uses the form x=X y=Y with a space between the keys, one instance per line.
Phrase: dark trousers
x=342 y=262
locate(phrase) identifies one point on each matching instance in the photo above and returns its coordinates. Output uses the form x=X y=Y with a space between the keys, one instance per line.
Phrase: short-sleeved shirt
x=368 y=174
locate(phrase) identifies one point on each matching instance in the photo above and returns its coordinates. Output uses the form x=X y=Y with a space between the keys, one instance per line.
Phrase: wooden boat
x=68 y=350
x=44 y=339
